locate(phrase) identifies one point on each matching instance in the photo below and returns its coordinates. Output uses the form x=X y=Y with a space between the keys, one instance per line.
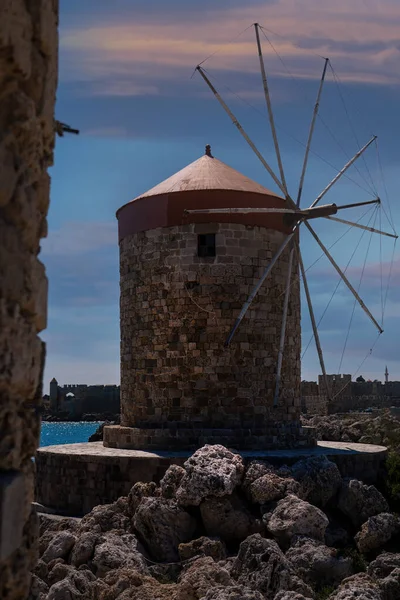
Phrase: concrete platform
x=73 y=478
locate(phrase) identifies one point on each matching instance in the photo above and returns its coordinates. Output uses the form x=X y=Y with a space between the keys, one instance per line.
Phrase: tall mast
x=269 y=106
x=283 y=327
x=241 y=130
x=254 y=292
x=343 y=171
x=314 y=326
x=311 y=132
x=343 y=276
x=289 y=275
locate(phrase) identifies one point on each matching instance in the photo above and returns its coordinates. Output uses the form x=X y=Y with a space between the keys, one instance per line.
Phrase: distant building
x=346 y=395
x=79 y=399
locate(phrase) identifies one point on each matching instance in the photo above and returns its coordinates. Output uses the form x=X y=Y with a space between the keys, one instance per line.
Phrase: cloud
x=142 y=51
x=373 y=272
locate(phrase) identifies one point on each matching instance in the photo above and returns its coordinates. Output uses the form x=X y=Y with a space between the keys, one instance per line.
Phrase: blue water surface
x=53 y=434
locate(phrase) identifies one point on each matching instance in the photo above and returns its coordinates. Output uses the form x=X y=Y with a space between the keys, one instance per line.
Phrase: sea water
x=66 y=433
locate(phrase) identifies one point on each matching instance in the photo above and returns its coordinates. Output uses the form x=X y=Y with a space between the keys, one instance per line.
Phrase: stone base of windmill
x=275 y=436
x=73 y=478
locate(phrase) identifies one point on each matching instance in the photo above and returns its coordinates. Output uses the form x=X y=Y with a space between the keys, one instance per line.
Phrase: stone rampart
x=314 y=405
x=347 y=396
x=28 y=79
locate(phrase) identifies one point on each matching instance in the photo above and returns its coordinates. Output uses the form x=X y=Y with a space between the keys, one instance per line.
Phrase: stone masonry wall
x=75 y=482
x=314 y=405
x=354 y=403
x=312 y=402
x=28 y=78
x=176 y=311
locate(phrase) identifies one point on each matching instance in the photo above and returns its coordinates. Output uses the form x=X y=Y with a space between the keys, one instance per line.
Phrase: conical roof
x=207 y=173
x=204 y=184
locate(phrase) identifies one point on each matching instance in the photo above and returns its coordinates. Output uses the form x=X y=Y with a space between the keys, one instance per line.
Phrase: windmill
x=296 y=216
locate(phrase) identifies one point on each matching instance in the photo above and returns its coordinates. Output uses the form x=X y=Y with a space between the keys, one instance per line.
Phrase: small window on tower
x=206 y=244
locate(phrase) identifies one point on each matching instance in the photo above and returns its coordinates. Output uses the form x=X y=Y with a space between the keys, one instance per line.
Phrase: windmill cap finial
x=208 y=151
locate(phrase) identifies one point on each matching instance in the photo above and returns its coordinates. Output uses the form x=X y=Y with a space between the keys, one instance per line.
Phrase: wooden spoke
x=343 y=276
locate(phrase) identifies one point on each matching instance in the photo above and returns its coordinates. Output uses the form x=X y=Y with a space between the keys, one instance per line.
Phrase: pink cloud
x=372 y=274
x=149 y=51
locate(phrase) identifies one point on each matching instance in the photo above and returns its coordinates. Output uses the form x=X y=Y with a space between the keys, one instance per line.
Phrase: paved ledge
x=95 y=450
x=73 y=478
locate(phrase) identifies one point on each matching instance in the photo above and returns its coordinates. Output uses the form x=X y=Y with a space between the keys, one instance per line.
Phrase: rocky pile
x=379 y=427
x=215 y=530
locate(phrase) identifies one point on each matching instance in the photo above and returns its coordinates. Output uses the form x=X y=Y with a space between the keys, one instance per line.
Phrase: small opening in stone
x=206 y=244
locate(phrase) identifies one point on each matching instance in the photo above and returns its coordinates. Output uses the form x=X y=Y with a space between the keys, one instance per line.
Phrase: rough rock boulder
x=292 y=517
x=128 y=584
x=202 y=546
x=271 y=487
x=390 y=585
x=262 y=566
x=360 y=586
x=317 y=564
x=236 y=592
x=254 y=470
x=138 y=492
x=162 y=526
x=319 y=479
x=359 y=501
x=171 y=481
x=290 y=596
x=200 y=577
x=58 y=572
x=210 y=471
x=384 y=564
x=83 y=550
x=229 y=519
x=61 y=544
x=116 y=551
x=377 y=531
x=39 y=589
x=79 y=584
x=105 y=518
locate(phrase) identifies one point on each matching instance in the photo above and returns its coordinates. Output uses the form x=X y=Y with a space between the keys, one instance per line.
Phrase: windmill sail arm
x=314 y=325
x=241 y=130
x=356 y=204
x=308 y=213
x=343 y=171
x=343 y=276
x=257 y=287
x=210 y=211
x=283 y=328
x=365 y=227
x=269 y=107
x=311 y=132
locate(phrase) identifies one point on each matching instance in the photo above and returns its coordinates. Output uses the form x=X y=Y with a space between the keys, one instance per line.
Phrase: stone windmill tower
x=203 y=250
x=184 y=278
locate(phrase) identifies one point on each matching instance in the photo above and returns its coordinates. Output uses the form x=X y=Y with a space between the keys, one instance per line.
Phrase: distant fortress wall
x=86 y=398
x=347 y=395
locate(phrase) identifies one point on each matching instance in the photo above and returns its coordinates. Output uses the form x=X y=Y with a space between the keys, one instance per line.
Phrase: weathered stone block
x=12 y=507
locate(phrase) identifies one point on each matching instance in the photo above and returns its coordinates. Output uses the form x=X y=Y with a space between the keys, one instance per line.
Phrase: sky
x=127 y=82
